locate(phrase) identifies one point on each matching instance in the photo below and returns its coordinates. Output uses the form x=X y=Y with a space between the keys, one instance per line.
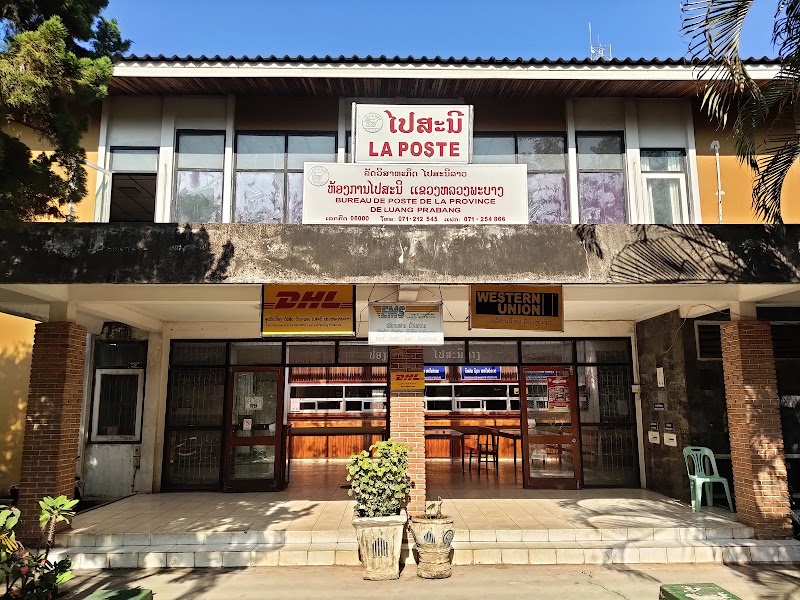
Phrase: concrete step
x=464 y=553
x=280 y=536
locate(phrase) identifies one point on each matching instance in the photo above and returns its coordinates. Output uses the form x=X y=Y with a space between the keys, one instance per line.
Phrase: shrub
x=379 y=481
x=30 y=575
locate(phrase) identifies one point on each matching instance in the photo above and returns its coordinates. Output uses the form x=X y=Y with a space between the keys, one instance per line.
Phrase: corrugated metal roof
x=452 y=60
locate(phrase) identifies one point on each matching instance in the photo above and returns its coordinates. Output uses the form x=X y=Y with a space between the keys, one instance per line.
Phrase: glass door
x=551 y=447
x=254 y=440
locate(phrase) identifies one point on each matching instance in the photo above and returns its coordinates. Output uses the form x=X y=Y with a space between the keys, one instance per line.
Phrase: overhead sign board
x=404 y=133
x=479 y=373
x=308 y=310
x=409 y=194
x=522 y=307
x=396 y=324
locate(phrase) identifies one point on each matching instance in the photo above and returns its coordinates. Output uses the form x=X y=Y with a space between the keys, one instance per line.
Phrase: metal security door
x=550 y=430
x=254 y=432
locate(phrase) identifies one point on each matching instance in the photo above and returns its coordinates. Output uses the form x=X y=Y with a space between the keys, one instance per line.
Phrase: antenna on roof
x=598 y=51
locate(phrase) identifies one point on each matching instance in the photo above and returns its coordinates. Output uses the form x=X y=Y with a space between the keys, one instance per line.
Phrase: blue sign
x=434 y=372
x=480 y=373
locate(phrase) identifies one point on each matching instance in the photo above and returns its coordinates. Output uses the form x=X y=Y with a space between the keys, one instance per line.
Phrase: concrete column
x=754 y=421
x=407 y=420
x=52 y=423
x=145 y=478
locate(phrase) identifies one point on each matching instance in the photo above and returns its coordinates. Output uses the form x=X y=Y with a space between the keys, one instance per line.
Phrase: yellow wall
x=84 y=210
x=737 y=179
x=16 y=341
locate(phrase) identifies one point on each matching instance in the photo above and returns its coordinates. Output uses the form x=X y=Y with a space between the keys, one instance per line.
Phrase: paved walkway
x=508 y=582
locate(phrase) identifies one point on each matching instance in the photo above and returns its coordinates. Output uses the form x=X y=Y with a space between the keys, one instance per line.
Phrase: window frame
x=285 y=134
x=177 y=170
x=516 y=135
x=623 y=170
x=137 y=435
x=680 y=176
x=138 y=173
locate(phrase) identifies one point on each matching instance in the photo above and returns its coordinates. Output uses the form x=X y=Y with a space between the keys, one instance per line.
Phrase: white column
x=102 y=192
x=148 y=479
x=572 y=162
x=695 y=212
x=636 y=209
x=227 y=167
x=166 y=160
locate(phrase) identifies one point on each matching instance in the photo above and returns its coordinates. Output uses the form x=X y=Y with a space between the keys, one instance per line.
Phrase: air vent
x=709 y=341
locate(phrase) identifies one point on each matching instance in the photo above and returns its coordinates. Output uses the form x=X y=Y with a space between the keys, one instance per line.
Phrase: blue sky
x=527 y=28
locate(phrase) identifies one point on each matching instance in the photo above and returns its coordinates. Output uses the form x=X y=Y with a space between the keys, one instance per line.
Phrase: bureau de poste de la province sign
x=397 y=324
x=404 y=194
x=525 y=307
x=400 y=133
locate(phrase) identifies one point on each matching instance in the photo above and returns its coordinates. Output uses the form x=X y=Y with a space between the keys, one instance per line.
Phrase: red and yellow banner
x=308 y=310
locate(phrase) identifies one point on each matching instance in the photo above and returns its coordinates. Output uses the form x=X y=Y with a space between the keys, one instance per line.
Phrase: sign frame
x=357 y=137
x=287 y=332
x=381 y=338
x=407 y=381
x=516 y=322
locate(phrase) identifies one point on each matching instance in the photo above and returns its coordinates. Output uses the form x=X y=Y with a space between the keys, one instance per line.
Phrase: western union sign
x=308 y=310
x=523 y=307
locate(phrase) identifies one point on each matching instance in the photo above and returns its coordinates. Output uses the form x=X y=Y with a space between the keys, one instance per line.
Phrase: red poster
x=558 y=394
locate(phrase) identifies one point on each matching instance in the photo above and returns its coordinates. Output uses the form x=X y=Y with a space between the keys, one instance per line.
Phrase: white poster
x=347 y=193
x=406 y=324
x=404 y=133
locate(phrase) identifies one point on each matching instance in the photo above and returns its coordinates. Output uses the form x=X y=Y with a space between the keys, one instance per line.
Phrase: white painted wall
x=662 y=123
x=134 y=121
x=108 y=470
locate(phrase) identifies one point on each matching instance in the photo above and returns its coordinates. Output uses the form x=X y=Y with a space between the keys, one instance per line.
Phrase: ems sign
x=521 y=307
x=308 y=310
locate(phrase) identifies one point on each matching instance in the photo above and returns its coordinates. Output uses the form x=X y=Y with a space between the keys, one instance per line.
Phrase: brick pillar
x=52 y=422
x=754 y=421
x=407 y=421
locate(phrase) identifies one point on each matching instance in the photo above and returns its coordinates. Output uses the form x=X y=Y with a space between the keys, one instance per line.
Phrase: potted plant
x=380 y=485
x=433 y=537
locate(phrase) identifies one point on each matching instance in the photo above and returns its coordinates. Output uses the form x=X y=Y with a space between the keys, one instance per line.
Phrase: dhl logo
x=307 y=300
x=407 y=376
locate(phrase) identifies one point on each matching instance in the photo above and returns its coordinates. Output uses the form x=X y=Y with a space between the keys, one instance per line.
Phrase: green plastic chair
x=699 y=477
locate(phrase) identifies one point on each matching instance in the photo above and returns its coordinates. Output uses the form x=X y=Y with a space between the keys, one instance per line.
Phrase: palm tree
x=766 y=118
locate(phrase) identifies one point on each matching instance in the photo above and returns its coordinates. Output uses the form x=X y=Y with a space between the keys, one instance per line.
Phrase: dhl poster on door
x=290 y=310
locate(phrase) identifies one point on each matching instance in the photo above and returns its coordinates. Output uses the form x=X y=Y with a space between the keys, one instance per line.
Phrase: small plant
x=434 y=506
x=379 y=481
x=31 y=575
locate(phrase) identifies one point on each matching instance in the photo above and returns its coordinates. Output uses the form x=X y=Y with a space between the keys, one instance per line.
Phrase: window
x=601 y=178
x=133 y=184
x=471 y=397
x=117 y=409
x=198 y=184
x=664 y=180
x=545 y=156
x=269 y=174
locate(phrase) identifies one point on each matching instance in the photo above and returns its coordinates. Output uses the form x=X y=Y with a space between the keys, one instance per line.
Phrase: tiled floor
x=315 y=506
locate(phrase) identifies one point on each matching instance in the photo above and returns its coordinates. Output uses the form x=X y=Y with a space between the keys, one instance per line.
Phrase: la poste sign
x=400 y=133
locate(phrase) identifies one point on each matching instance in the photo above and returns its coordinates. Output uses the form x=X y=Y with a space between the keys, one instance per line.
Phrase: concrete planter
x=433 y=538
x=379 y=542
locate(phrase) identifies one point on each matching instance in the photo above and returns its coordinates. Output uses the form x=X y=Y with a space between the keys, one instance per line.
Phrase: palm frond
x=714 y=29
x=777 y=157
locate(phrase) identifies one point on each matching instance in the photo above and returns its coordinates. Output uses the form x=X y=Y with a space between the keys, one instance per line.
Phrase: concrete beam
x=123 y=314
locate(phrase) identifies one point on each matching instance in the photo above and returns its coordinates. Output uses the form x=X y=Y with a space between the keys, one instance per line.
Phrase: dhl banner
x=308 y=310
x=525 y=307
x=408 y=381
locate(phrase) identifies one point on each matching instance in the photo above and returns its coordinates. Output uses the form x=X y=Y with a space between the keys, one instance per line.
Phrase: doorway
x=254 y=440
x=550 y=428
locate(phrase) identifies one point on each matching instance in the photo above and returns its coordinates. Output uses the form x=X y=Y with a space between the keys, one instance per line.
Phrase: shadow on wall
x=15 y=367
x=690 y=254
x=180 y=254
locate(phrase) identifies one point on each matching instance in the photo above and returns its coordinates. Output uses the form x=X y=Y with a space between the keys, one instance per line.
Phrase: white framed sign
x=412 y=133
x=347 y=193
x=397 y=324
